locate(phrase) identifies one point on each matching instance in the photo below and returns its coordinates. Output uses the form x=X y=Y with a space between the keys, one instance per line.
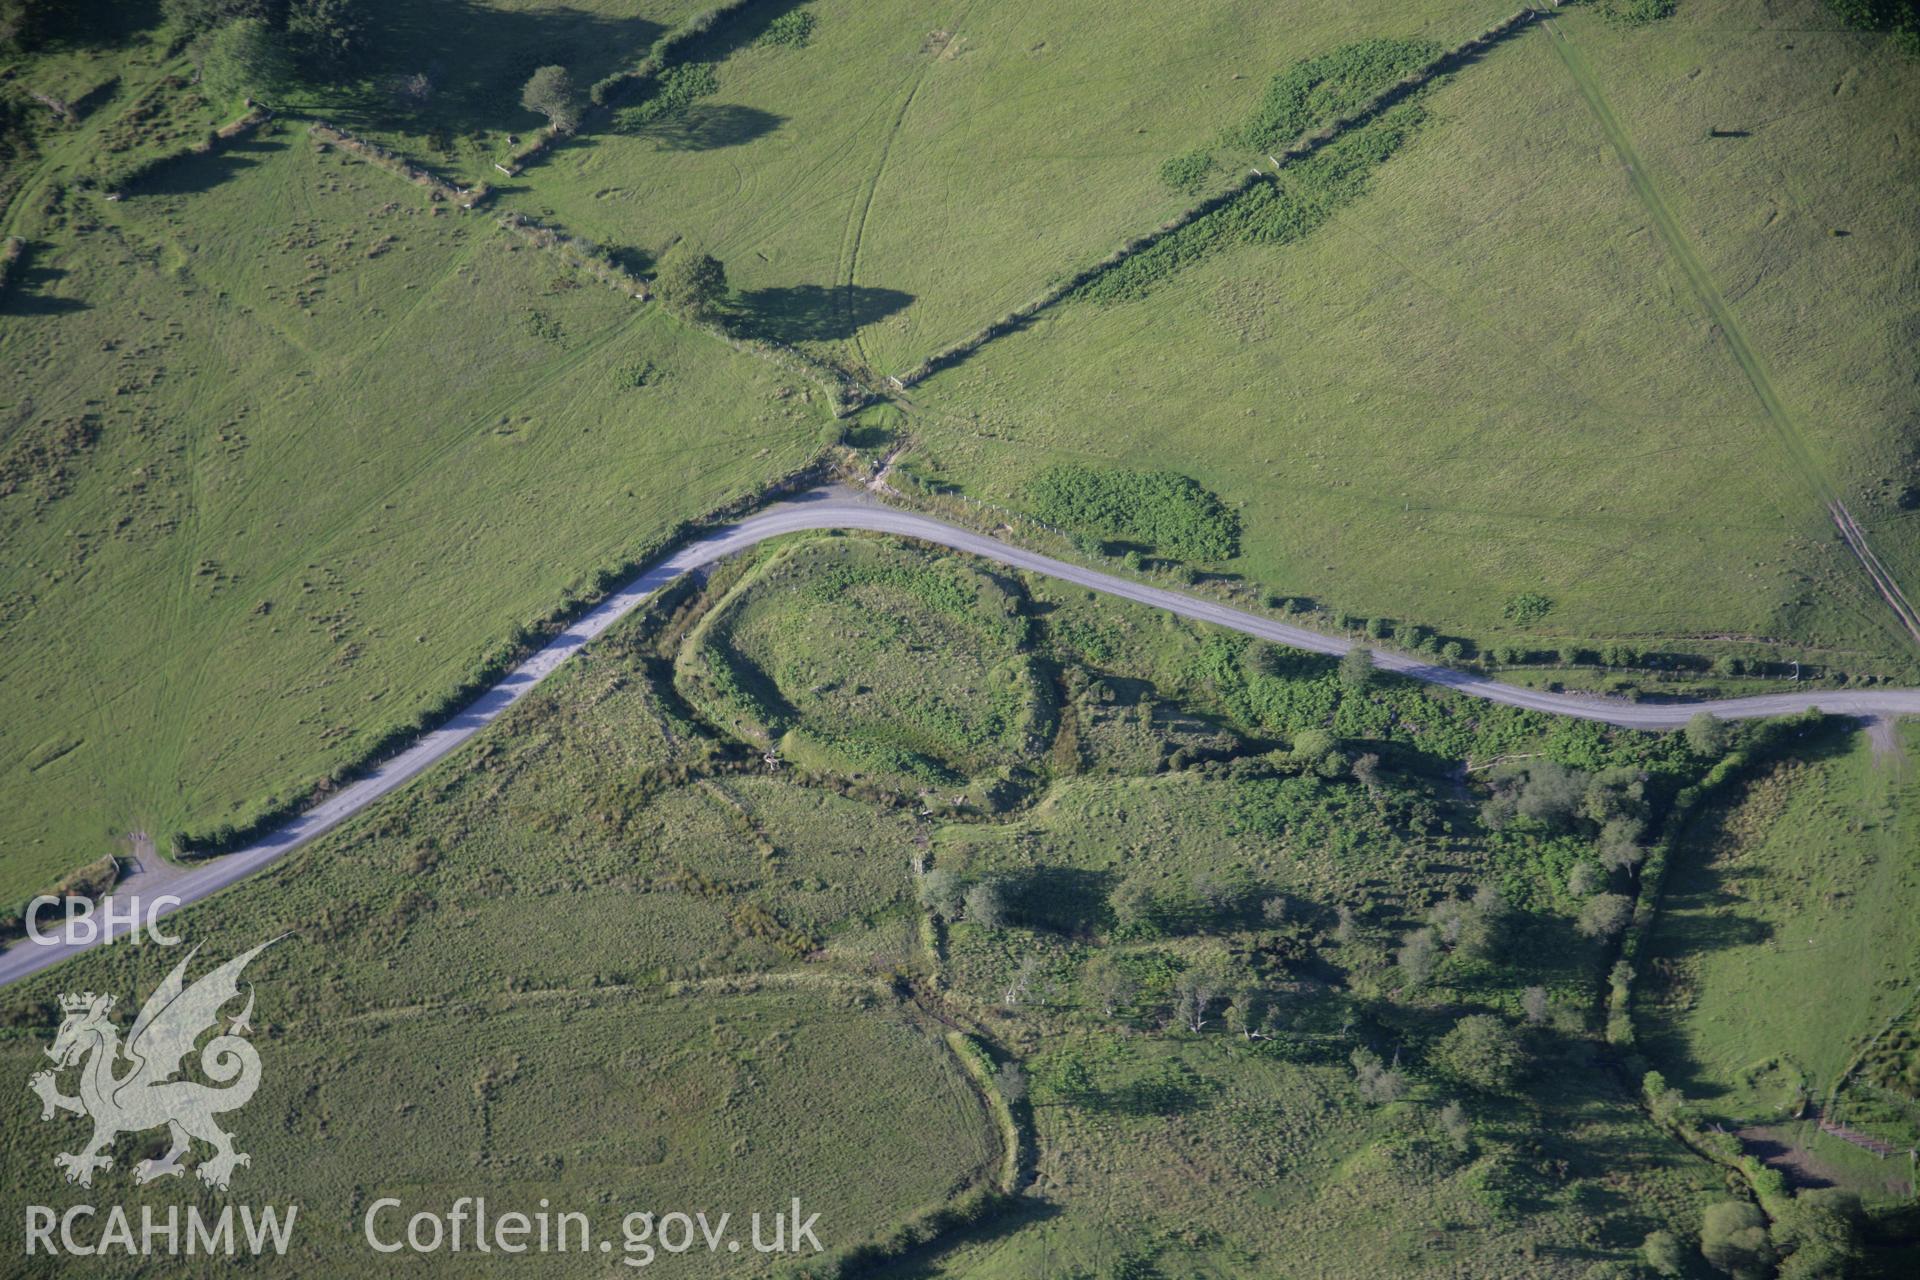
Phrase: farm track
x=857 y=224
x=846 y=510
x=1786 y=428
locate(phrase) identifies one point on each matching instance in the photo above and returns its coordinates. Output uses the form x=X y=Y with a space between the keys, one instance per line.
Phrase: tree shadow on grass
x=193 y=175
x=25 y=292
x=479 y=57
x=635 y=262
x=813 y=312
x=709 y=127
x=734 y=32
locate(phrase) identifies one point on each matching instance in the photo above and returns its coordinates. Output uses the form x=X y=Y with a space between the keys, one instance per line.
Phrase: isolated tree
x=1706 y=736
x=1666 y=1104
x=1664 y=1253
x=1275 y=911
x=1449 y=921
x=1481 y=1051
x=550 y=92
x=1456 y=1125
x=1356 y=668
x=943 y=893
x=1345 y=927
x=1247 y=1013
x=1416 y=958
x=1470 y=927
x=987 y=905
x=1604 y=915
x=1819 y=1228
x=1109 y=986
x=1533 y=1002
x=1619 y=845
x=1733 y=1237
x=1193 y=994
x=1212 y=893
x=1133 y=903
x=1374 y=1081
x=1616 y=793
x=1582 y=879
x=1487 y=927
x=691 y=281
x=1366 y=772
x=1552 y=793
x=1311 y=746
x=245 y=58
x=1022 y=982
x=412 y=91
x=1011 y=1079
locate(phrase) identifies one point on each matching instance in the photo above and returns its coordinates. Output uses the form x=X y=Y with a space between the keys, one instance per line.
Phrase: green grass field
x=1489 y=376
x=290 y=453
x=1784 y=945
x=1018 y=931
x=608 y=908
x=565 y=968
x=899 y=181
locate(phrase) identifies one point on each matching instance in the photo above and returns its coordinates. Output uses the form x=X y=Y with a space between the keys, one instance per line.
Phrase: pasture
x=897 y=182
x=291 y=455
x=1242 y=912
x=611 y=899
x=1783 y=951
x=1488 y=376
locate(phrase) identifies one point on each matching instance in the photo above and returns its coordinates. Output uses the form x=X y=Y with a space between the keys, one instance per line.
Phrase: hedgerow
x=1297 y=202
x=1322 y=89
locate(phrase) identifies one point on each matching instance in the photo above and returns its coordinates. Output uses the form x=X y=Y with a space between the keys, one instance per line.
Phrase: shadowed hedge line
x=117 y=181
x=1304 y=147
x=436 y=187
x=610 y=91
x=846 y=393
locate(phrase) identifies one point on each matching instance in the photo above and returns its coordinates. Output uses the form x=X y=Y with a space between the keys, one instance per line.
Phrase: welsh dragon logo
x=145 y=1095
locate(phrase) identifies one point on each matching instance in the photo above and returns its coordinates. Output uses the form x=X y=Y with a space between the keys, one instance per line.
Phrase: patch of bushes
x=1187 y=172
x=1163 y=508
x=1325 y=88
x=677 y=88
x=1638 y=13
x=790 y=30
x=1526 y=608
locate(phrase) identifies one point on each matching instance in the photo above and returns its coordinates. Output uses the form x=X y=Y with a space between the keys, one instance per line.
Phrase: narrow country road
x=843 y=509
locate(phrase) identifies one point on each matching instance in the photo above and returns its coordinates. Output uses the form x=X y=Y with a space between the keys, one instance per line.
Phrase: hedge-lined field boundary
x=609 y=91
x=120 y=181
x=1441 y=64
x=1773 y=740
x=436 y=187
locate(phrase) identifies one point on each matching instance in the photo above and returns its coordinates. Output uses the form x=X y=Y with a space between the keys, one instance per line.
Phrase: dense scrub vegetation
x=1161 y=509
x=1293 y=204
x=1899 y=18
